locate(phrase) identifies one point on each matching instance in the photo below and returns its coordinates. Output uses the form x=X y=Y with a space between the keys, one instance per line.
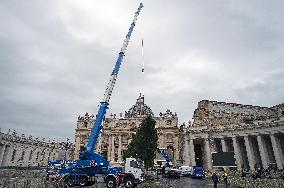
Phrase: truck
x=165 y=165
x=91 y=165
x=197 y=172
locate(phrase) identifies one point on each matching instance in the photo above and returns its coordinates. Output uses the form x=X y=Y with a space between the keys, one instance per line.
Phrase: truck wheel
x=129 y=183
x=70 y=182
x=83 y=180
x=111 y=182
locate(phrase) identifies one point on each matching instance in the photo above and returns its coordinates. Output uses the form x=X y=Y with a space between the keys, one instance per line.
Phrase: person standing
x=164 y=171
x=225 y=177
x=215 y=179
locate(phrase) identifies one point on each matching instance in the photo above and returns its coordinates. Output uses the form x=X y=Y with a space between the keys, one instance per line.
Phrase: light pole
x=66 y=145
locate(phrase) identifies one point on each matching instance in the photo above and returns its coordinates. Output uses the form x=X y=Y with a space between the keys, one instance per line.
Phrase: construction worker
x=225 y=177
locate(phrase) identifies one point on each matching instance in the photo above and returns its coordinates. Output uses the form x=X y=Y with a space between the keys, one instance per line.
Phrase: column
x=42 y=153
x=162 y=144
x=224 y=146
x=7 y=156
x=53 y=154
x=109 y=147
x=119 y=148
x=186 y=151
x=237 y=152
x=176 y=149
x=277 y=151
x=18 y=155
x=191 y=152
x=56 y=153
x=99 y=145
x=2 y=154
x=208 y=154
x=26 y=157
x=262 y=152
x=281 y=149
x=77 y=146
x=112 y=147
x=47 y=155
x=249 y=152
x=33 y=160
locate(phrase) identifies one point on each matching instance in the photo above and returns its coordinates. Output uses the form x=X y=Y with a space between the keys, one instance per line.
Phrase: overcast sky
x=56 y=58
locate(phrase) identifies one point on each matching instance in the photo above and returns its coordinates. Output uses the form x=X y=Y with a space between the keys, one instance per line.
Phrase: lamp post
x=66 y=145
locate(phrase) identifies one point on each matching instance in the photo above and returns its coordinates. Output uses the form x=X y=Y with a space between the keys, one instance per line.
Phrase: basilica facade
x=119 y=129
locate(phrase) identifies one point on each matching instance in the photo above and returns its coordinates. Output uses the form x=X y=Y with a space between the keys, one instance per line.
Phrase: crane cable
x=142 y=49
x=142 y=53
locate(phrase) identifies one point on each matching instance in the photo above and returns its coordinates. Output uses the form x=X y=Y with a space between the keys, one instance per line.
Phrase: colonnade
x=251 y=150
x=19 y=155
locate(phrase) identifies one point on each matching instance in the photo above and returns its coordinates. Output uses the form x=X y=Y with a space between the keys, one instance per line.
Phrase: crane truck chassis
x=92 y=165
x=131 y=175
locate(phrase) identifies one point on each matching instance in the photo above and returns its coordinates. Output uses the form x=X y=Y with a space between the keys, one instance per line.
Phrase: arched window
x=169 y=138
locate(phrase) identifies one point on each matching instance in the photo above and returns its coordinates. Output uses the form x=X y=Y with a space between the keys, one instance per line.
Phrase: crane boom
x=162 y=151
x=97 y=127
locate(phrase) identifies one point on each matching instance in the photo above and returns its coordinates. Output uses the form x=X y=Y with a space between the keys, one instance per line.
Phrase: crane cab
x=133 y=172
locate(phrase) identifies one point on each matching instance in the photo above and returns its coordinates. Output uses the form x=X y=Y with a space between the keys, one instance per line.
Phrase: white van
x=185 y=170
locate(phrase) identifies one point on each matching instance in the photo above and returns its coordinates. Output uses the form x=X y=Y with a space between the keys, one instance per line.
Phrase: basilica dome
x=139 y=109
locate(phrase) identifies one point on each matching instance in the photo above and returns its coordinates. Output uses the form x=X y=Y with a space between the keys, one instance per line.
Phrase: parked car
x=197 y=172
x=185 y=170
x=174 y=173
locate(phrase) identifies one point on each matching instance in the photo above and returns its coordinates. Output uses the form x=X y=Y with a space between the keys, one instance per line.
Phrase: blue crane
x=97 y=127
x=162 y=151
x=91 y=163
x=165 y=166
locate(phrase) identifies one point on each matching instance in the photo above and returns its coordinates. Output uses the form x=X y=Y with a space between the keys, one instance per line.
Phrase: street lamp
x=66 y=146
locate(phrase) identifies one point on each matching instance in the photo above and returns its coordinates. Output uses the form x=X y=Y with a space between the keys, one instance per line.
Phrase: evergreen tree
x=144 y=142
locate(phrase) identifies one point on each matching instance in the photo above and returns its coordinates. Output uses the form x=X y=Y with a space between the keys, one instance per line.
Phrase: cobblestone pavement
x=183 y=182
x=37 y=179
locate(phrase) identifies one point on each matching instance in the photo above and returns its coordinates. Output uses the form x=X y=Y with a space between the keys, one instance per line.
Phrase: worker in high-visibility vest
x=225 y=177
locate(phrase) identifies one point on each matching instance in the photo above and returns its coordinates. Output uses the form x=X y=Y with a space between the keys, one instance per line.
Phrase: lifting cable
x=142 y=49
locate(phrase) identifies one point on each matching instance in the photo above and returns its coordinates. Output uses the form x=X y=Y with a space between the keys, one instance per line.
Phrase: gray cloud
x=56 y=58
